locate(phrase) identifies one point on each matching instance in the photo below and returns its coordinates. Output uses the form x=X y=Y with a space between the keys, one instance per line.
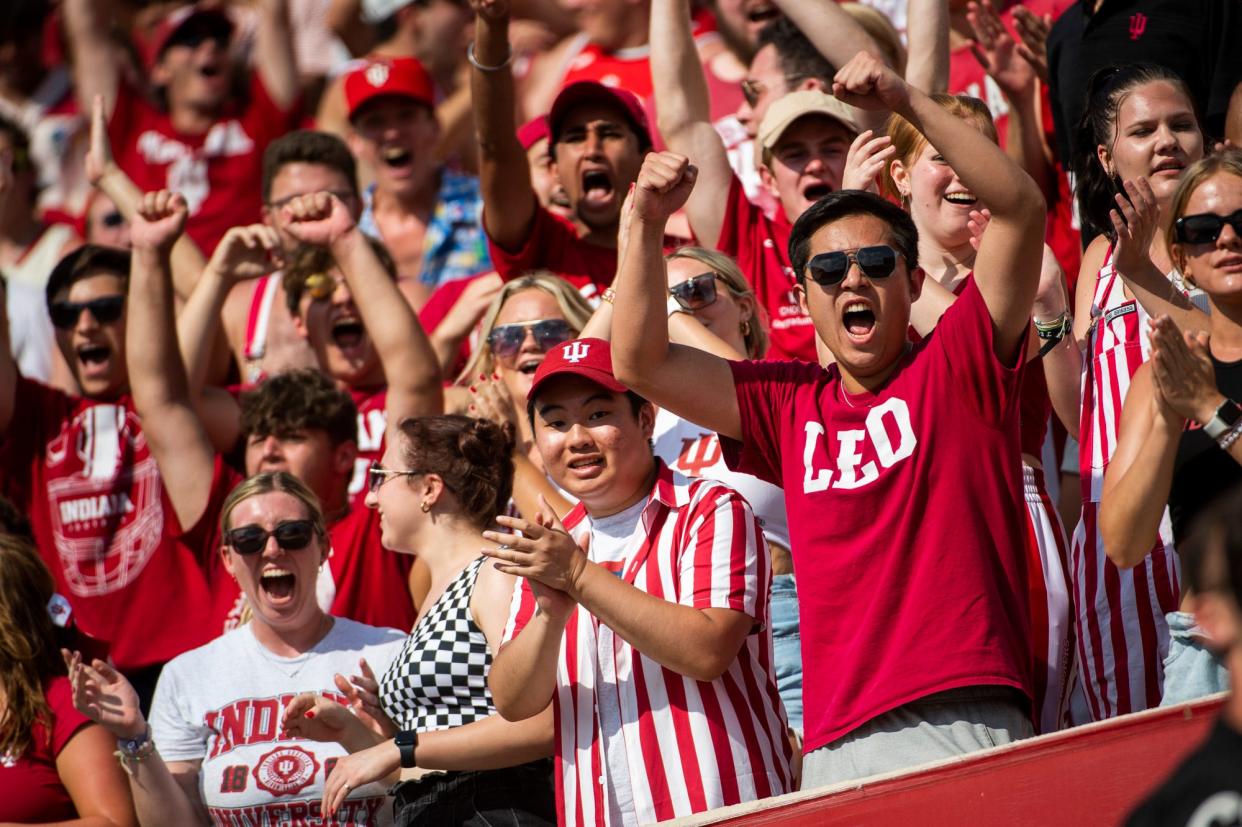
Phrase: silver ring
x=347 y=787
x=504 y=547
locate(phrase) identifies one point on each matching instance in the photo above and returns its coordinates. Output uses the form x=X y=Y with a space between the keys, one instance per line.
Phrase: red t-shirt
x=372 y=408
x=553 y=244
x=31 y=791
x=967 y=77
x=219 y=172
x=761 y=247
x=82 y=470
x=904 y=517
x=370 y=584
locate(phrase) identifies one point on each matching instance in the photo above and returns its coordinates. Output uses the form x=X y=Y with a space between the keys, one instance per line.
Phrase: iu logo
x=1138 y=25
x=377 y=74
x=576 y=351
x=699 y=454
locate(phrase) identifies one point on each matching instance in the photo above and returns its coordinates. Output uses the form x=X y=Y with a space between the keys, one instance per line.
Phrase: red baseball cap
x=588 y=358
x=152 y=45
x=533 y=131
x=589 y=91
x=399 y=76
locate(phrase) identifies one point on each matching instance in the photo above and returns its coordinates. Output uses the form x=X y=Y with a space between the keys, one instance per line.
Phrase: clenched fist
x=663 y=185
x=868 y=83
x=159 y=221
x=318 y=218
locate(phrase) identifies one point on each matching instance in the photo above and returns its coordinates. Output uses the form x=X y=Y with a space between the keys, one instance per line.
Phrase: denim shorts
x=521 y=796
x=1190 y=669
x=787 y=647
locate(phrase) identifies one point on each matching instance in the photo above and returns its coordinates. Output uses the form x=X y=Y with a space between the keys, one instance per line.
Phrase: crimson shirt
x=905 y=518
x=31 y=791
x=83 y=472
x=219 y=172
x=761 y=247
x=553 y=244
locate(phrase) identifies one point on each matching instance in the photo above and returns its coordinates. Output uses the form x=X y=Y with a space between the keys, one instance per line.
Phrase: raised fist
x=318 y=218
x=868 y=83
x=247 y=253
x=159 y=220
x=663 y=185
x=491 y=9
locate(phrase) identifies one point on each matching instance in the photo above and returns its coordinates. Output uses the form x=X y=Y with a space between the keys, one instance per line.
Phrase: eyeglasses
x=320 y=286
x=345 y=196
x=753 y=90
x=506 y=340
x=1205 y=228
x=377 y=475
x=291 y=535
x=696 y=292
x=829 y=269
x=105 y=310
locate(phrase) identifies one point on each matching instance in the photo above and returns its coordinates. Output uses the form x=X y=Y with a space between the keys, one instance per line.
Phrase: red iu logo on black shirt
x=1138 y=25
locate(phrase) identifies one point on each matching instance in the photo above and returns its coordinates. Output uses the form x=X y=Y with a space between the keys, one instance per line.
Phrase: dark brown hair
x=306 y=146
x=299 y=400
x=307 y=260
x=472 y=456
x=87 y=260
x=29 y=648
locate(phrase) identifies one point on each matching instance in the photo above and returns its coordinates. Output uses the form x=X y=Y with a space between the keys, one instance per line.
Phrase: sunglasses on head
x=291 y=535
x=696 y=292
x=1205 y=228
x=829 y=269
x=320 y=286
x=506 y=340
x=65 y=314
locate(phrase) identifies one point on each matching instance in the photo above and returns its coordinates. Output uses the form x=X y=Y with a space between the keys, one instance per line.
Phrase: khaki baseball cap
x=789 y=108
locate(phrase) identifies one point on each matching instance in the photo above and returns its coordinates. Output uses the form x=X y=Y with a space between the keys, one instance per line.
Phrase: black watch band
x=407 y=742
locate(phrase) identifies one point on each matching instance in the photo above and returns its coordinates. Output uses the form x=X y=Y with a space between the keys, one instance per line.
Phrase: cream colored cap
x=789 y=108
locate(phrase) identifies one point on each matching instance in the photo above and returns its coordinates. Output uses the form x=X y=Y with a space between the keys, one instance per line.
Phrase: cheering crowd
x=542 y=412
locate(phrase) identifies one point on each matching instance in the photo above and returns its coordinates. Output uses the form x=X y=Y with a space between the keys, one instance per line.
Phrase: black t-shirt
x=1201 y=40
x=1205 y=790
x=1202 y=471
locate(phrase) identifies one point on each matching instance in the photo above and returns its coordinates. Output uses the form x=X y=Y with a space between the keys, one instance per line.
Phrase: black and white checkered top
x=439 y=679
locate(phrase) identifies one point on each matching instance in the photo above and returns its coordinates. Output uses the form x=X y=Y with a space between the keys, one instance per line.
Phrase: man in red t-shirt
x=296 y=421
x=899 y=461
x=81 y=467
x=804 y=139
x=598 y=138
x=204 y=141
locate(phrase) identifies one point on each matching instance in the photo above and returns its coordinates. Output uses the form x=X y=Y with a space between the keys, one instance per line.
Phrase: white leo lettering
x=814 y=481
x=900 y=414
x=848 y=459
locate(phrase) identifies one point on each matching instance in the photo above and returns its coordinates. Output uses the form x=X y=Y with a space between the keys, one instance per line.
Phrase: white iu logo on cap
x=377 y=74
x=576 y=351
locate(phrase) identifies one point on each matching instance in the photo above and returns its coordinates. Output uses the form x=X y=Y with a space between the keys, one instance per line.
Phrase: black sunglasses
x=112 y=219
x=506 y=340
x=1205 y=228
x=65 y=314
x=829 y=269
x=696 y=292
x=291 y=535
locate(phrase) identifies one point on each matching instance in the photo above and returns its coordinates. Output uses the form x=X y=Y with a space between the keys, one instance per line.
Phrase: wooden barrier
x=1090 y=775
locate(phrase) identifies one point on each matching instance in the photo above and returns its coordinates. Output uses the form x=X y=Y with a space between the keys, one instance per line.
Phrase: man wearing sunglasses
x=203 y=140
x=803 y=135
x=81 y=467
x=299 y=421
x=900 y=462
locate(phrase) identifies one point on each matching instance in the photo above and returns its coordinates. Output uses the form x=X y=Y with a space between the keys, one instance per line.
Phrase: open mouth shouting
x=397 y=157
x=277 y=585
x=528 y=364
x=815 y=190
x=348 y=334
x=858 y=320
x=94 y=360
x=760 y=14
x=597 y=188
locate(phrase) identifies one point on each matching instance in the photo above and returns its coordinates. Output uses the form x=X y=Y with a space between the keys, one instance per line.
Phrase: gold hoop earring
x=426 y=506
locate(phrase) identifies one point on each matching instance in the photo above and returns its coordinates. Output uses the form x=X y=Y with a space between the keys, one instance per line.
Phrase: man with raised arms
x=899 y=461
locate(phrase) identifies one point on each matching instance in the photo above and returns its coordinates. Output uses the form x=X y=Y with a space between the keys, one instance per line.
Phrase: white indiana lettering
x=576 y=351
x=95 y=508
x=371 y=427
x=851 y=471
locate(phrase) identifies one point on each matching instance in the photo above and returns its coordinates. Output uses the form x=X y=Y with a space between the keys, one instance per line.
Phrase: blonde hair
x=755 y=335
x=909 y=142
x=266 y=483
x=1229 y=161
x=877 y=24
x=575 y=308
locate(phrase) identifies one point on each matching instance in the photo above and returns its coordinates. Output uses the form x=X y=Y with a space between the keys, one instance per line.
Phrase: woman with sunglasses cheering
x=214 y=751
x=1181 y=424
x=443 y=482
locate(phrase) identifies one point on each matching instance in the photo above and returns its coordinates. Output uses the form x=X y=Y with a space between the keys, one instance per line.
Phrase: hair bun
x=483 y=441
